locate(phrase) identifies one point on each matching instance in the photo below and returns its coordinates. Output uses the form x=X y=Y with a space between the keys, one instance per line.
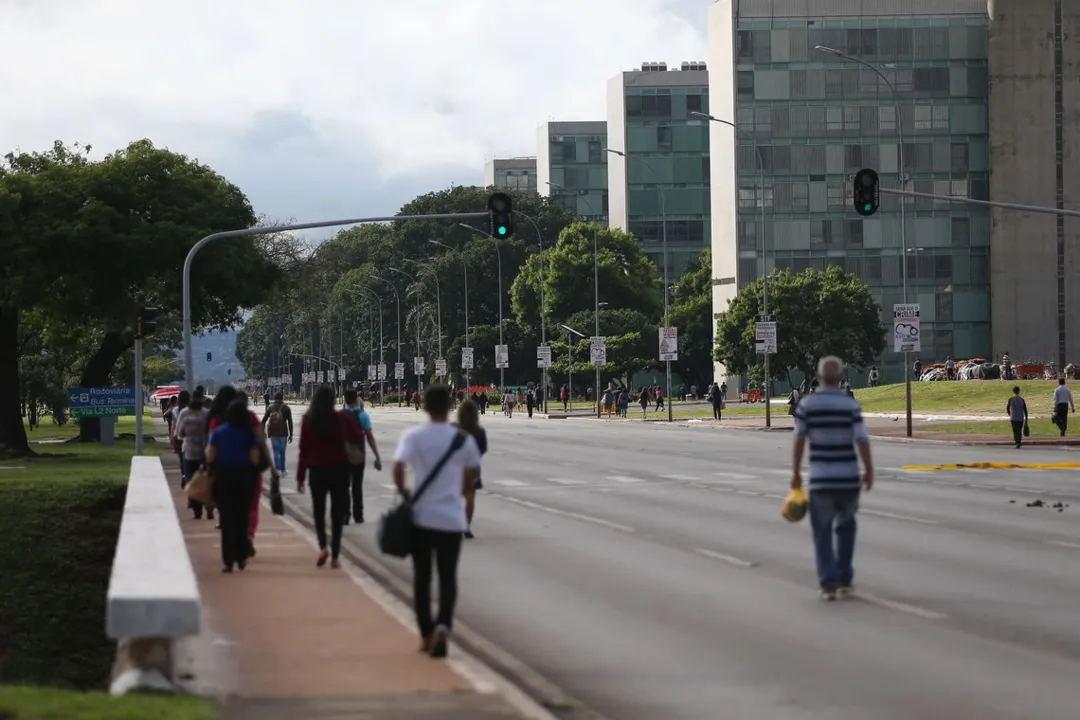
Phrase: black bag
x=1027 y=429
x=277 y=503
x=264 y=460
x=395 y=527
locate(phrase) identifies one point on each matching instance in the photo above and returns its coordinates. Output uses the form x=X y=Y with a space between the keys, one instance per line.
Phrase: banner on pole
x=543 y=356
x=380 y=371
x=418 y=365
x=598 y=355
x=440 y=367
x=906 y=330
x=399 y=371
x=502 y=356
x=669 y=344
x=466 y=358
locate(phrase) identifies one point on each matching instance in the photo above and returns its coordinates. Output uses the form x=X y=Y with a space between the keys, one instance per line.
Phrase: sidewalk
x=284 y=639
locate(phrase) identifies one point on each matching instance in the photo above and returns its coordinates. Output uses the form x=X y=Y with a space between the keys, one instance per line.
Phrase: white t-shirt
x=442 y=506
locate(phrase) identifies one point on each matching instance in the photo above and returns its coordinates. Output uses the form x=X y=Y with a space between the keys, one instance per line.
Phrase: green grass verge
x=1040 y=428
x=59 y=518
x=968 y=397
x=33 y=703
x=49 y=430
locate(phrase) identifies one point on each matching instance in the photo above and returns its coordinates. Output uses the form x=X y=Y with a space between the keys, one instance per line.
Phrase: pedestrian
x=833 y=424
x=354 y=407
x=1016 y=409
x=1063 y=403
x=715 y=399
x=170 y=414
x=643 y=400
x=416 y=400
x=445 y=462
x=530 y=401
x=278 y=424
x=659 y=399
x=607 y=402
x=177 y=414
x=564 y=396
x=622 y=403
x=323 y=435
x=233 y=453
x=468 y=419
x=191 y=431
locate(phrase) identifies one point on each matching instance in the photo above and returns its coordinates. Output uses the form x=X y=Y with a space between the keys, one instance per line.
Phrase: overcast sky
x=330 y=108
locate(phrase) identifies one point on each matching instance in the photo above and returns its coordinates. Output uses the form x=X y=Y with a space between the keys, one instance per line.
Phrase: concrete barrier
x=153 y=599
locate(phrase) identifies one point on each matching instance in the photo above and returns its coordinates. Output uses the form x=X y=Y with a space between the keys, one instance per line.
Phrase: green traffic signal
x=868 y=207
x=866 y=192
x=502 y=230
x=501 y=211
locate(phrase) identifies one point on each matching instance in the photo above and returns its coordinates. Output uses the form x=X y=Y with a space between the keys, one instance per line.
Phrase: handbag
x=277 y=503
x=201 y=487
x=353 y=453
x=1027 y=429
x=396 y=525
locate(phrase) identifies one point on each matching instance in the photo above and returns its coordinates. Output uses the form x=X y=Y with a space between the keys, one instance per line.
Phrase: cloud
x=337 y=107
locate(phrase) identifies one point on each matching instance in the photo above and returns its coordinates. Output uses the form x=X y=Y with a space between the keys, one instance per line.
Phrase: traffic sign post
x=109 y=403
x=418 y=366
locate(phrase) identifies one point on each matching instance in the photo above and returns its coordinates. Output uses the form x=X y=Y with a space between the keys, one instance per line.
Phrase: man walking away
x=833 y=424
x=715 y=400
x=1063 y=403
x=355 y=409
x=1016 y=408
x=278 y=423
x=530 y=401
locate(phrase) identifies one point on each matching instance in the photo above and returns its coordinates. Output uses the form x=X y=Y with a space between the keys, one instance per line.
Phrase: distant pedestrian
x=607 y=402
x=1063 y=403
x=1017 y=411
x=659 y=399
x=191 y=431
x=643 y=400
x=564 y=396
x=833 y=424
x=278 y=423
x=530 y=402
x=177 y=414
x=873 y=378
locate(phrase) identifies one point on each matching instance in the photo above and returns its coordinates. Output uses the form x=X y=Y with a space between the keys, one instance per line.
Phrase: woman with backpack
x=233 y=455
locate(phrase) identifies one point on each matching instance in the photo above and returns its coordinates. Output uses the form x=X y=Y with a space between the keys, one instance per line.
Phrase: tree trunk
x=96 y=374
x=13 y=441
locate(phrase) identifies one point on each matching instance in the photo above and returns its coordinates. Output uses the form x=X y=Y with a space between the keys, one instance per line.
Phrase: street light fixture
x=764 y=245
x=397 y=361
x=369 y=294
x=570 y=364
x=434 y=274
x=465 y=267
x=419 y=371
x=663 y=233
x=543 y=304
x=498 y=255
x=902 y=177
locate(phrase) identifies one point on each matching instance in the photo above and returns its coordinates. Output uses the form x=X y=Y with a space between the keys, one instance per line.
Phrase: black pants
x=446 y=547
x=233 y=489
x=356 y=488
x=1018 y=431
x=1061 y=416
x=529 y=407
x=332 y=480
x=716 y=410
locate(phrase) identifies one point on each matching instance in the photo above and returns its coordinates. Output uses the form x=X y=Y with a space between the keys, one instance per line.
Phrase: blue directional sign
x=102 y=402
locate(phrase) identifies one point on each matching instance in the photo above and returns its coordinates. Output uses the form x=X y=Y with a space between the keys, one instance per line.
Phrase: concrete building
x=511 y=174
x=668 y=165
x=1035 y=160
x=573 y=155
x=817 y=119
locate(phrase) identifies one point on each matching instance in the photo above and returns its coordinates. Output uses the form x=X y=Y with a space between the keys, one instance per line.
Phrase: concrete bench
x=153 y=598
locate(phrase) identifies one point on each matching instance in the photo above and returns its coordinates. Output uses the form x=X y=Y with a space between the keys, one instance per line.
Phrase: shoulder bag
x=396 y=526
x=354 y=453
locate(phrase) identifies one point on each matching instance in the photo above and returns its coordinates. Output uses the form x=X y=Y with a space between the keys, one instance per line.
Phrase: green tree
x=817 y=313
x=692 y=313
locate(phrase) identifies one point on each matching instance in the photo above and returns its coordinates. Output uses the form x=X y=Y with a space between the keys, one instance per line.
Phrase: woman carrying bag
x=232 y=454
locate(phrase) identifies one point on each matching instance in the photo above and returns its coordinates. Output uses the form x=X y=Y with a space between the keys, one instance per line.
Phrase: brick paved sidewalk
x=285 y=639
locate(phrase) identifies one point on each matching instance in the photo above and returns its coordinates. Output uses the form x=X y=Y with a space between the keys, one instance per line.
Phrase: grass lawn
x=59 y=518
x=1040 y=428
x=966 y=397
x=32 y=703
x=49 y=430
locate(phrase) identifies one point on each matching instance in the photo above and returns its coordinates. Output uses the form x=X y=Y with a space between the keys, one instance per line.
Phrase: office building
x=818 y=118
x=1034 y=58
x=666 y=171
x=511 y=174
x=573 y=156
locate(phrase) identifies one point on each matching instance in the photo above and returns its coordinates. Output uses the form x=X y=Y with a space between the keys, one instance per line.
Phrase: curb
x=549 y=695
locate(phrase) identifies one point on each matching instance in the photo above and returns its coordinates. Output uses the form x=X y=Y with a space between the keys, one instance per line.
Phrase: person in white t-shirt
x=438 y=512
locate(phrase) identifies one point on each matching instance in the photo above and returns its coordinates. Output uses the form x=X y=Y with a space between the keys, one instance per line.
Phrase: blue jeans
x=278 y=445
x=832 y=512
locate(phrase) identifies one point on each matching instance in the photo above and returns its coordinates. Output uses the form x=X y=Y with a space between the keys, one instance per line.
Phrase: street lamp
x=902 y=177
x=596 y=289
x=397 y=361
x=570 y=364
x=498 y=255
x=764 y=246
x=419 y=370
x=465 y=267
x=369 y=294
x=663 y=233
x=543 y=305
x=434 y=274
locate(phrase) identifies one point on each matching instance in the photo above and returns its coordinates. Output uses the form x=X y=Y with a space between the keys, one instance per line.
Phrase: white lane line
x=1030 y=491
x=729 y=559
x=776 y=497
x=1064 y=544
x=624 y=479
x=685 y=478
x=775 y=471
x=985 y=487
x=895 y=516
x=388 y=486
x=749 y=492
x=566 y=481
x=901 y=607
x=952 y=483
x=509 y=483
x=737 y=476
x=565 y=513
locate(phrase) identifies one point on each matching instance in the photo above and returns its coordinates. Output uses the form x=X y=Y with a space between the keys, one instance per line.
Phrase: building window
x=705 y=172
x=569 y=151
x=837 y=194
x=853 y=238
x=980 y=270
x=961 y=231
x=817 y=234
x=942 y=267
x=887 y=118
x=941 y=117
x=923 y=114
x=633 y=106
x=746 y=84
x=663 y=106
x=748 y=235
x=851 y=119
x=933 y=81
x=800 y=196
x=744 y=42
x=596 y=152
x=834 y=119
x=943 y=307
x=853 y=157
x=693 y=103
x=663 y=138
x=577 y=178
x=959 y=159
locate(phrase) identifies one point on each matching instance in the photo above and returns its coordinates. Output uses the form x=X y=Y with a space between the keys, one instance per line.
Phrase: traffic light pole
x=139 y=404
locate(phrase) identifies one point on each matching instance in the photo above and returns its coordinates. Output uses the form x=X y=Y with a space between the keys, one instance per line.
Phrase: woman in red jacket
x=323 y=435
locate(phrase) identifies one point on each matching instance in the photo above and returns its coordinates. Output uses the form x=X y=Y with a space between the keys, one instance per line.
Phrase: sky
x=327 y=109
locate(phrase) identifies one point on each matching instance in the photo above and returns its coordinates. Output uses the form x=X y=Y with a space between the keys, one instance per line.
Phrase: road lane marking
x=749 y=492
x=737 y=476
x=895 y=516
x=987 y=466
x=509 y=483
x=388 y=486
x=684 y=478
x=566 y=481
x=1064 y=544
x=624 y=479
x=1032 y=491
x=729 y=559
x=915 y=610
x=565 y=513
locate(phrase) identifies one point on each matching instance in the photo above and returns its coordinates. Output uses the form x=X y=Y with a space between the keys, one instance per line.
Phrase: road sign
x=598 y=355
x=102 y=402
x=418 y=365
x=765 y=336
x=502 y=356
x=466 y=358
x=597 y=342
x=440 y=367
x=380 y=371
x=906 y=331
x=543 y=356
x=669 y=344
x=399 y=371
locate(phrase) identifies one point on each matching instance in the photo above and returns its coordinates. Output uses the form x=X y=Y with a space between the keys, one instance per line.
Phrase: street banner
x=598 y=355
x=543 y=356
x=380 y=371
x=669 y=344
x=372 y=372
x=466 y=358
x=440 y=367
x=502 y=356
x=765 y=338
x=906 y=337
x=399 y=371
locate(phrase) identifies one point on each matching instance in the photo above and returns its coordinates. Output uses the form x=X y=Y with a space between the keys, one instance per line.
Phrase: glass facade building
x=573 y=156
x=818 y=118
x=511 y=174
x=667 y=168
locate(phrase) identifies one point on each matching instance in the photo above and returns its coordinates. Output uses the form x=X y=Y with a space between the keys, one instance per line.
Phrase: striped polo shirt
x=832 y=422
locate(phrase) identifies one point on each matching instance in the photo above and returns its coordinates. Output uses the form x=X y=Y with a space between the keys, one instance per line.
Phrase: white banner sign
x=466 y=358
x=765 y=338
x=669 y=344
x=597 y=342
x=399 y=371
x=598 y=355
x=502 y=356
x=543 y=356
x=380 y=371
x=906 y=331
x=372 y=371
x=440 y=367
x=418 y=365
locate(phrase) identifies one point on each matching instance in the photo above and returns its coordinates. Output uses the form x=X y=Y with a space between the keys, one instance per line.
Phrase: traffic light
x=145 y=322
x=209 y=357
x=866 y=194
x=501 y=208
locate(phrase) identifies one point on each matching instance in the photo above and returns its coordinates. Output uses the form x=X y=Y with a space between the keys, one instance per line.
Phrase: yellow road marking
x=995 y=466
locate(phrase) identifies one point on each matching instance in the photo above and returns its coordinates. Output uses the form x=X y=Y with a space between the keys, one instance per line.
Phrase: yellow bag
x=795 y=506
x=201 y=487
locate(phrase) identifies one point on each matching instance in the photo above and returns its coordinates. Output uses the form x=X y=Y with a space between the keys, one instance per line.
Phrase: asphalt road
x=646 y=570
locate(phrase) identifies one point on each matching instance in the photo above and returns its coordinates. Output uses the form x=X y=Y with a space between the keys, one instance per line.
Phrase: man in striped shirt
x=833 y=424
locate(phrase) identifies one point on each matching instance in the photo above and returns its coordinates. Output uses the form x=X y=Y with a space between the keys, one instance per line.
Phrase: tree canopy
x=692 y=313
